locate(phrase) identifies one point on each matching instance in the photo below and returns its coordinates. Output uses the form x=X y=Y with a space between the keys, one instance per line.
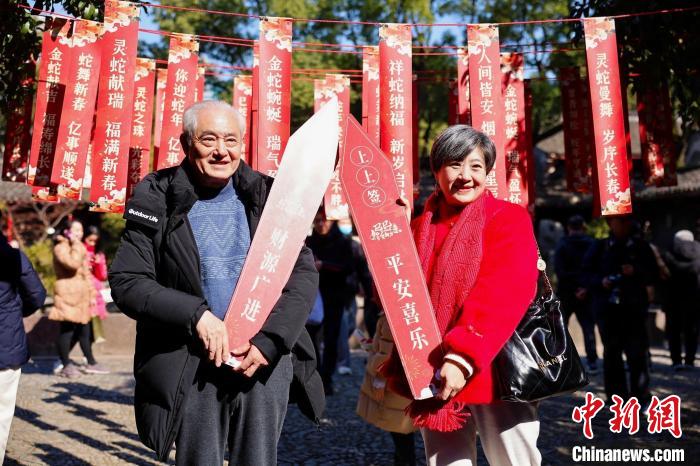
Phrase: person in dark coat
x=683 y=299
x=571 y=289
x=618 y=270
x=21 y=293
x=187 y=234
x=335 y=262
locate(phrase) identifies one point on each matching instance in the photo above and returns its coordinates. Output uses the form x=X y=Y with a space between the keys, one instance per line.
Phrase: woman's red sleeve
x=504 y=289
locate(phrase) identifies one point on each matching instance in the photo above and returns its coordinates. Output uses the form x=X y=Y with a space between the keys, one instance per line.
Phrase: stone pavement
x=90 y=421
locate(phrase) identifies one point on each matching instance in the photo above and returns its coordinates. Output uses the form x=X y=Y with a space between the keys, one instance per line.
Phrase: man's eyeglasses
x=209 y=141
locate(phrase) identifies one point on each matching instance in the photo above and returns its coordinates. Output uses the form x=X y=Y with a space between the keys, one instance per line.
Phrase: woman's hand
x=453 y=380
x=403 y=202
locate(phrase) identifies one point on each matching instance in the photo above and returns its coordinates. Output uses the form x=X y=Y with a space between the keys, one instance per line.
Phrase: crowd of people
x=610 y=283
x=188 y=231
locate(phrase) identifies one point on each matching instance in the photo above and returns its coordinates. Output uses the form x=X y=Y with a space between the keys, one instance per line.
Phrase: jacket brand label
x=141 y=217
x=138 y=213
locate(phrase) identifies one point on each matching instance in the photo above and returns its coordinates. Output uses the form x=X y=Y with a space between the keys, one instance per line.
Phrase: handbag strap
x=542 y=267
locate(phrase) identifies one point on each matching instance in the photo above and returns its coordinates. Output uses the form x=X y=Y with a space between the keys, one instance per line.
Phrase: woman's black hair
x=456 y=143
x=93 y=230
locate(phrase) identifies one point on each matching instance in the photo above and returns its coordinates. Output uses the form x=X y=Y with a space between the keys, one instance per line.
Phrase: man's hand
x=252 y=361
x=453 y=380
x=212 y=331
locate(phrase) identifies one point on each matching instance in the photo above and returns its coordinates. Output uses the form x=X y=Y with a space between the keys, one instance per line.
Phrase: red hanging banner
x=608 y=125
x=575 y=112
x=140 y=147
x=199 y=89
x=51 y=90
x=652 y=157
x=161 y=83
x=275 y=81
x=670 y=153
x=486 y=100
x=392 y=258
x=396 y=103
x=587 y=165
x=415 y=122
x=335 y=204
x=115 y=100
x=624 y=71
x=452 y=102
x=77 y=113
x=180 y=89
x=242 y=98
x=17 y=135
x=463 y=85
x=656 y=134
x=370 y=91
x=513 y=89
x=529 y=151
x=254 y=105
x=322 y=93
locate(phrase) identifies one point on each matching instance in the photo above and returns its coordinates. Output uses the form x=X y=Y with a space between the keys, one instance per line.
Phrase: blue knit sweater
x=221 y=231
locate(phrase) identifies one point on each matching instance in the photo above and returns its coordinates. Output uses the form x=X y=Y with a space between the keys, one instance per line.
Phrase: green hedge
x=41 y=256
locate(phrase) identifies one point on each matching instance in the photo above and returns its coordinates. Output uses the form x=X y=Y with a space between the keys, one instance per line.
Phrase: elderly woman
x=479 y=257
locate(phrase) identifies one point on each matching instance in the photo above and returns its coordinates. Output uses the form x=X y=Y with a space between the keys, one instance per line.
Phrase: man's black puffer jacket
x=155 y=279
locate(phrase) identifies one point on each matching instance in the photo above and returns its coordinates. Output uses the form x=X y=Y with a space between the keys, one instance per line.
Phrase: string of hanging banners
x=104 y=117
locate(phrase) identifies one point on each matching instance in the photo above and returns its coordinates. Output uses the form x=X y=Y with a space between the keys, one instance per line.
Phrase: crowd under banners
x=338 y=85
x=140 y=146
x=396 y=102
x=487 y=112
x=275 y=82
x=161 y=83
x=463 y=85
x=304 y=173
x=77 y=114
x=180 y=89
x=370 y=91
x=254 y=105
x=608 y=125
x=386 y=238
x=513 y=89
x=242 y=99
x=17 y=135
x=51 y=90
x=115 y=101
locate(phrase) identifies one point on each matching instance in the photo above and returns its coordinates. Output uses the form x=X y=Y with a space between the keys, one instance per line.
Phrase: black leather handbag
x=540 y=359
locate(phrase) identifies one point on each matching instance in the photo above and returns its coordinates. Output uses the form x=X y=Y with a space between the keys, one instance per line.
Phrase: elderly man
x=187 y=234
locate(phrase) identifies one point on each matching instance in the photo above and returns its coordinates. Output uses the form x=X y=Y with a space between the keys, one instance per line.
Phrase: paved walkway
x=90 y=421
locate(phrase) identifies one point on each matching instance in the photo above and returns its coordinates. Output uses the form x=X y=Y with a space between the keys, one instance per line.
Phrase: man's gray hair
x=189 y=119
